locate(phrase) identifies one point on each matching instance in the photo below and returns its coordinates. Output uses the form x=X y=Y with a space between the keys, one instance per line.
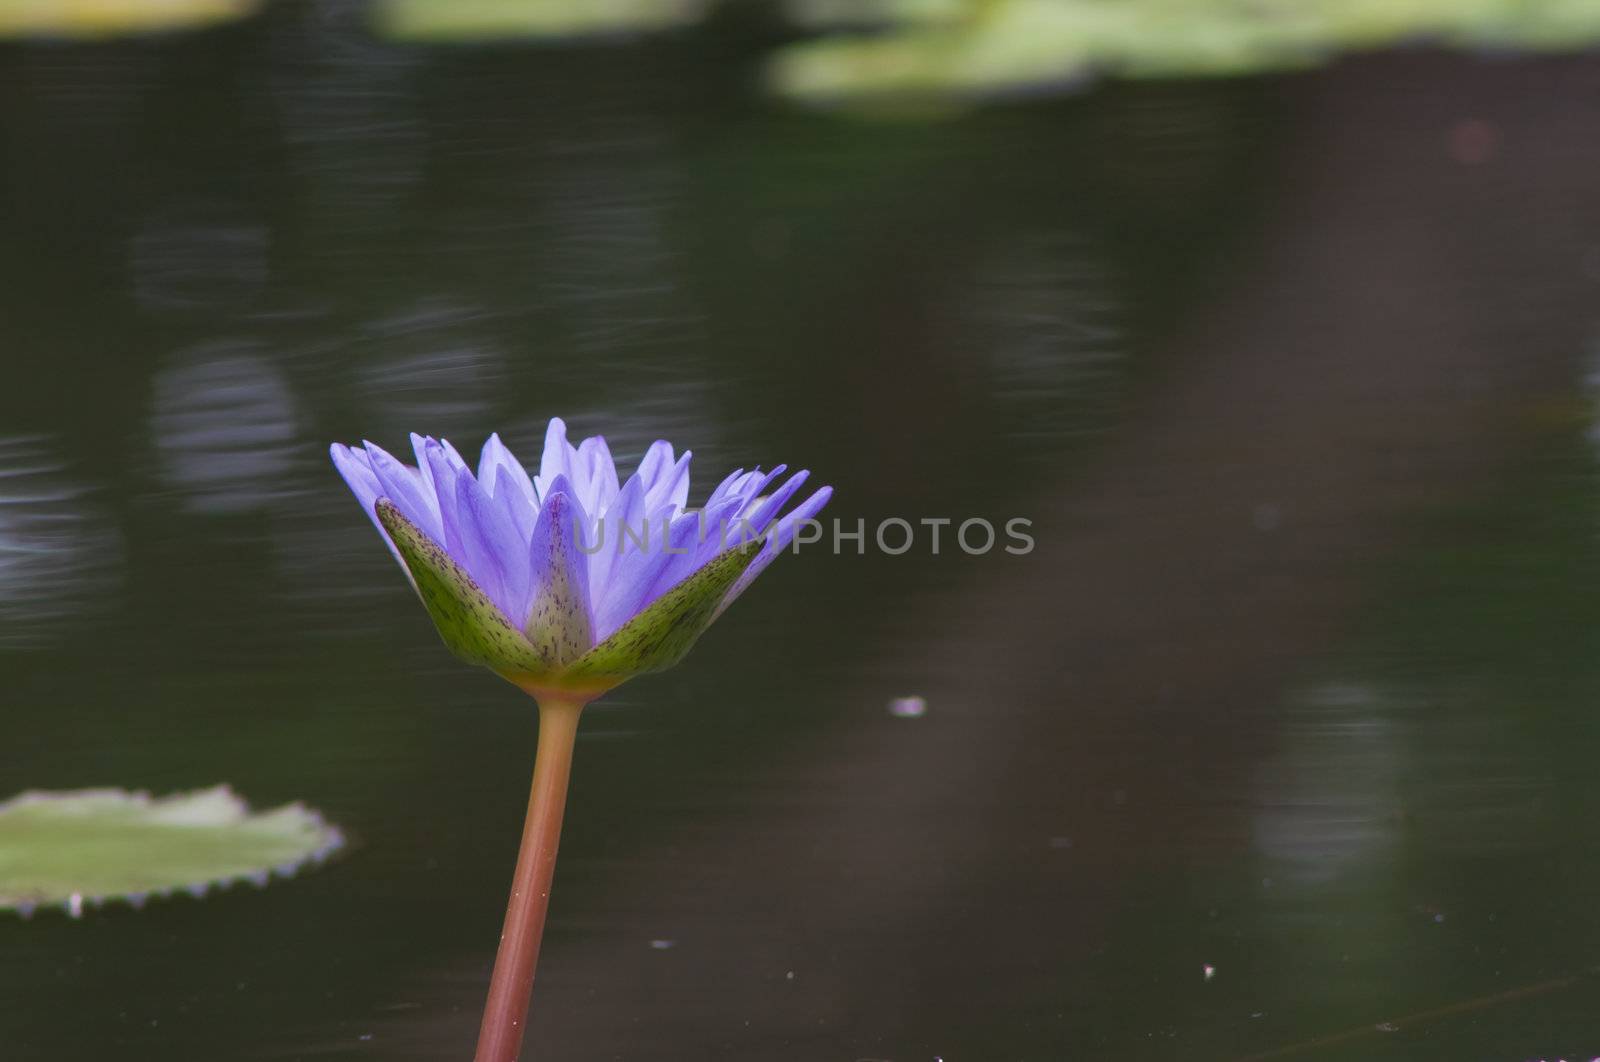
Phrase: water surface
x=1290 y=374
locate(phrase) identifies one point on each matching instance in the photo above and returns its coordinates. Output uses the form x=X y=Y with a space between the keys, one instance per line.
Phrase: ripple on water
x=61 y=556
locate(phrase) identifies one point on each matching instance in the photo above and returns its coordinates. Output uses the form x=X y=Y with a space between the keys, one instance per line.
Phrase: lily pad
x=969 y=50
x=88 y=846
x=76 y=19
x=468 y=20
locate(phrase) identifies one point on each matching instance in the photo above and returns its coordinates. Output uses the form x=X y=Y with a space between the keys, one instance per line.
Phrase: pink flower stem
x=511 y=987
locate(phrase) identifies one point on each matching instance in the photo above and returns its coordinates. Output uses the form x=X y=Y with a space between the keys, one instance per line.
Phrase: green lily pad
x=457 y=20
x=89 y=846
x=967 y=50
x=659 y=636
x=93 y=19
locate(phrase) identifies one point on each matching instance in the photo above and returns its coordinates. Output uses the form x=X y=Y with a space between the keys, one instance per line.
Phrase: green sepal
x=471 y=625
x=659 y=636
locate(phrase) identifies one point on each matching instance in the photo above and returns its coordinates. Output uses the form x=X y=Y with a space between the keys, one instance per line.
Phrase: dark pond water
x=1292 y=376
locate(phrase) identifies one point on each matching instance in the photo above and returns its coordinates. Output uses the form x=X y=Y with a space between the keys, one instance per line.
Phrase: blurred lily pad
x=466 y=20
x=939 y=50
x=89 y=846
x=107 y=18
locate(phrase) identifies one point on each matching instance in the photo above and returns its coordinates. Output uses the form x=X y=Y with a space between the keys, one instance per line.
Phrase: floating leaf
x=107 y=18
x=964 y=50
x=436 y=20
x=93 y=845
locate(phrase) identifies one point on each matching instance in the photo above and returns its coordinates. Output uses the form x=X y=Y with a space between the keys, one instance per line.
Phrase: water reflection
x=1045 y=312
x=607 y=263
x=348 y=108
x=223 y=420
x=1330 y=801
x=433 y=367
x=198 y=258
x=60 y=553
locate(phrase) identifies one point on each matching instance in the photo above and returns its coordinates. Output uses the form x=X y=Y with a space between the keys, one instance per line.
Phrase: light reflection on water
x=348 y=113
x=433 y=367
x=605 y=262
x=225 y=426
x=60 y=553
x=198 y=258
x=1044 y=309
x=1331 y=800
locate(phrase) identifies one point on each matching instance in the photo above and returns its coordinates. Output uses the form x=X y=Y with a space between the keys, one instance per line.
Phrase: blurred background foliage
x=899 y=54
x=105 y=18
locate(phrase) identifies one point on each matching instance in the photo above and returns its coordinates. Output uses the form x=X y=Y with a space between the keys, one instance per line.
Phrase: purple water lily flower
x=572 y=579
x=566 y=583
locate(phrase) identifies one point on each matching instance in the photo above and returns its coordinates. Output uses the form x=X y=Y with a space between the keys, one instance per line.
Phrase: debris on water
x=908 y=707
x=1209 y=971
x=1387 y=1026
x=789 y=976
x=663 y=945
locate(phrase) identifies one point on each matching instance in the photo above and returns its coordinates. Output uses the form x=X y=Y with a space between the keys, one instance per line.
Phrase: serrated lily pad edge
x=77 y=903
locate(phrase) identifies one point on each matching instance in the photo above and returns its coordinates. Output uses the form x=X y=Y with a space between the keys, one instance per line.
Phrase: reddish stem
x=505 y=1013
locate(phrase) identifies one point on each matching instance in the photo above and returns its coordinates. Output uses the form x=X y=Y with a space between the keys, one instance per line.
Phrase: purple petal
x=452 y=538
x=499 y=469
x=419 y=447
x=671 y=487
x=655 y=463
x=494 y=547
x=406 y=487
x=636 y=573
x=627 y=511
x=557 y=460
x=764 y=509
x=719 y=525
x=356 y=469
x=727 y=484
x=597 y=484
x=560 y=620
x=457 y=462
x=507 y=483
x=777 y=542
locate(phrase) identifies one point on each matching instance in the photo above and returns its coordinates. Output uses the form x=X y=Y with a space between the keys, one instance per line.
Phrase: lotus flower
x=565 y=583
x=568 y=581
